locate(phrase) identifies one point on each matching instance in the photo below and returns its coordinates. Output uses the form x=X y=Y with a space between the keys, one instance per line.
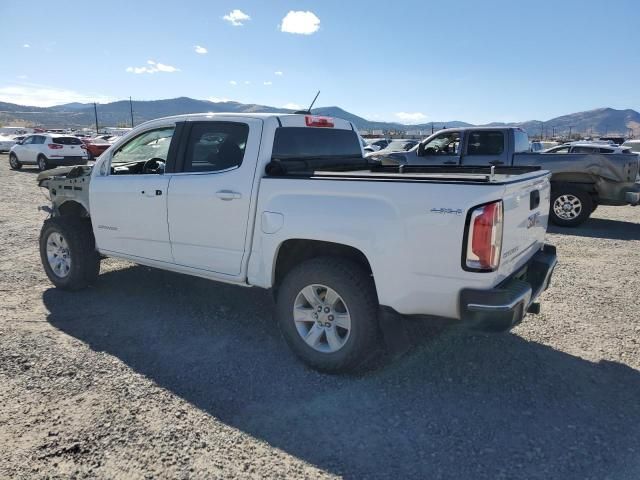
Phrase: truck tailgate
x=526 y=213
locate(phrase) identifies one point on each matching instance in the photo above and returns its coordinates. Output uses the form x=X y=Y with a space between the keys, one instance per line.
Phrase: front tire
x=14 y=163
x=68 y=253
x=327 y=311
x=570 y=206
x=43 y=164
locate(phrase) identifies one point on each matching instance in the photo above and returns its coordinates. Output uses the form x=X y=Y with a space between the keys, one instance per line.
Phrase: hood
x=68 y=172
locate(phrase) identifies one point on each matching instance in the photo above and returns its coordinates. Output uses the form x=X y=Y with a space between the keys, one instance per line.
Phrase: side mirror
x=421 y=150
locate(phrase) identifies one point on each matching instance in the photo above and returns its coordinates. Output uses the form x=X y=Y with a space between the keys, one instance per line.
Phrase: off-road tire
x=353 y=284
x=586 y=206
x=14 y=163
x=85 y=260
x=43 y=163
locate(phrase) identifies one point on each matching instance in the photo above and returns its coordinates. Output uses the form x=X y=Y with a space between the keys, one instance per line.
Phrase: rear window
x=67 y=140
x=304 y=142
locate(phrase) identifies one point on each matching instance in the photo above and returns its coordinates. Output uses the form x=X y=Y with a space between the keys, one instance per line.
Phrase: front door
x=128 y=198
x=210 y=195
x=443 y=149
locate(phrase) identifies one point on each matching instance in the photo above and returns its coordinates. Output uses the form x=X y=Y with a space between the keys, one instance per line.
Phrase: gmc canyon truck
x=579 y=181
x=288 y=203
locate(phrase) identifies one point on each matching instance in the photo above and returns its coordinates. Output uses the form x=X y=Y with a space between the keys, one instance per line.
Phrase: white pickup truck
x=288 y=203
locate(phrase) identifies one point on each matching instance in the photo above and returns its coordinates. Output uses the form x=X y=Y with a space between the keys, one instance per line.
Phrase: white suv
x=48 y=150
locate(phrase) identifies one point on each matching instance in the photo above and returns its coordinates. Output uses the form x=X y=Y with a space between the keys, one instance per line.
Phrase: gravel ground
x=154 y=374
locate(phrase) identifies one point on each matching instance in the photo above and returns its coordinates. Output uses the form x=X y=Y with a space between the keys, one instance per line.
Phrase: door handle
x=228 y=195
x=151 y=193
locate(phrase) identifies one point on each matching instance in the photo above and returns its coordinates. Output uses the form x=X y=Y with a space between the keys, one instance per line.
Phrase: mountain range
x=599 y=121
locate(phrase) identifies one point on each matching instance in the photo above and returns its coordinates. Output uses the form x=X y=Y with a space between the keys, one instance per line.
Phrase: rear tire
x=14 y=163
x=570 y=206
x=43 y=164
x=68 y=253
x=338 y=331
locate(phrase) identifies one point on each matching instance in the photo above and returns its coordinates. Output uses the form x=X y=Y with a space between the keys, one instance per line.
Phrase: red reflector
x=54 y=146
x=313 y=121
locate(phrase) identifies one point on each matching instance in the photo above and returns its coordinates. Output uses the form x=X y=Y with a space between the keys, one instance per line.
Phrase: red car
x=95 y=146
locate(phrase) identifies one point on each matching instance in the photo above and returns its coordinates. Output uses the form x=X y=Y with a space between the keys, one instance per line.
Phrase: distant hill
x=599 y=121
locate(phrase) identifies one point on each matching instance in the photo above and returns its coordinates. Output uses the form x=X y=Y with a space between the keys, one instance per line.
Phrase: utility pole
x=541 y=130
x=95 y=111
x=606 y=129
x=131 y=110
x=431 y=128
x=570 y=128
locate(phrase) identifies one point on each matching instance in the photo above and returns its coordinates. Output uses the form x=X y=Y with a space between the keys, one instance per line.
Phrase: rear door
x=211 y=192
x=485 y=147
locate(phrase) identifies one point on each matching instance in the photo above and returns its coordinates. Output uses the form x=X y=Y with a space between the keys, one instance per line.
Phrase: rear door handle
x=228 y=195
x=151 y=193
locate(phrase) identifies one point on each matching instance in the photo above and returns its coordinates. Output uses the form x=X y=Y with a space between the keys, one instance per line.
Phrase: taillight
x=484 y=238
x=54 y=146
x=314 y=121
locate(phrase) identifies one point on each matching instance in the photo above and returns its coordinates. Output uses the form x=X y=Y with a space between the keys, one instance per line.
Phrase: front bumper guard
x=505 y=306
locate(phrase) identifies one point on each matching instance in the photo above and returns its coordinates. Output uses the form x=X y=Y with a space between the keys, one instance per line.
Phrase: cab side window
x=215 y=146
x=485 y=143
x=144 y=154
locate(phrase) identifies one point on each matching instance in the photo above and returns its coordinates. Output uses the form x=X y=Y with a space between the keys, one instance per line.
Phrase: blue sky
x=410 y=61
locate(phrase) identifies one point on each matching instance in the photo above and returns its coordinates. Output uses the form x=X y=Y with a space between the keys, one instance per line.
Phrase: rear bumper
x=504 y=306
x=632 y=196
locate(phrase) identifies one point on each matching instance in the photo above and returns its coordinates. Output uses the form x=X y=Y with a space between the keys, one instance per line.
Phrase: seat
x=229 y=155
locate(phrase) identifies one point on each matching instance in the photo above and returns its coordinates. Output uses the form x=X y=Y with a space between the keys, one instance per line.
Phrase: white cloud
x=26 y=45
x=22 y=77
x=218 y=99
x=236 y=17
x=292 y=106
x=43 y=96
x=411 y=117
x=233 y=82
x=278 y=73
x=303 y=23
x=247 y=82
x=153 y=67
x=267 y=83
x=199 y=49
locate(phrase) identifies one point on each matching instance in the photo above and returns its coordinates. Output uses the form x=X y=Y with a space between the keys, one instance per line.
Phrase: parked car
x=539 y=145
x=378 y=143
x=287 y=203
x=47 y=150
x=634 y=145
x=582 y=178
x=95 y=146
x=588 y=147
x=396 y=146
x=6 y=143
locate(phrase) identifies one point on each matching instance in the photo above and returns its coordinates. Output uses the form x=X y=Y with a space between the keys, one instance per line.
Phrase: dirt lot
x=153 y=374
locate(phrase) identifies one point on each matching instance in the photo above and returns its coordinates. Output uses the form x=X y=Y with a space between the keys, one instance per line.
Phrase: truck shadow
x=601 y=228
x=460 y=405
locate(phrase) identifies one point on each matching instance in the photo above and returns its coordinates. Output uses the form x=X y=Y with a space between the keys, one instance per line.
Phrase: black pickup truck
x=579 y=182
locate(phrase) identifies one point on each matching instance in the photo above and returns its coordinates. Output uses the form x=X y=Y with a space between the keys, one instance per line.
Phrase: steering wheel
x=153 y=165
x=432 y=150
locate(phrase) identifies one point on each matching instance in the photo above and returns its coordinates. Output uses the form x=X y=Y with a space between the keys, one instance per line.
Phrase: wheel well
x=72 y=209
x=587 y=187
x=294 y=252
